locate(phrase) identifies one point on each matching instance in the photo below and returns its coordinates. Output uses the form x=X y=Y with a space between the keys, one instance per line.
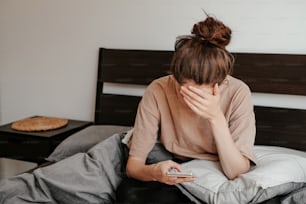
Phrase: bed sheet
x=73 y=178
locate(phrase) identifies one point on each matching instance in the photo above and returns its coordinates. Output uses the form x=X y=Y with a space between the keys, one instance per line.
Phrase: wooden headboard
x=264 y=73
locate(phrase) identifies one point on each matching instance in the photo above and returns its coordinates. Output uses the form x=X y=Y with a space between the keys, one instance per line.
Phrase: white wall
x=49 y=48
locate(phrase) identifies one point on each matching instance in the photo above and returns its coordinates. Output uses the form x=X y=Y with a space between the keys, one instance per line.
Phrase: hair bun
x=213 y=31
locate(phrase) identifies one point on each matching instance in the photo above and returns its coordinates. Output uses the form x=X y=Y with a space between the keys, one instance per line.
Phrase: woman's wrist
x=217 y=118
x=152 y=171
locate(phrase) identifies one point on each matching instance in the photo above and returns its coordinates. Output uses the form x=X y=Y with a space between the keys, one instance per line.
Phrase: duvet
x=90 y=177
x=93 y=177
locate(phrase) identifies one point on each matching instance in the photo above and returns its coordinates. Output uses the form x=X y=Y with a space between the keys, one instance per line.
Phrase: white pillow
x=278 y=171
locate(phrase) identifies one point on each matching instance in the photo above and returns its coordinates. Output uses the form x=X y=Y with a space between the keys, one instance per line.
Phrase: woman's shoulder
x=162 y=82
x=164 y=79
x=160 y=88
x=236 y=84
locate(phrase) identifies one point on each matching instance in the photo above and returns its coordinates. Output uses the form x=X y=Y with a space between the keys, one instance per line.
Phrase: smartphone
x=180 y=174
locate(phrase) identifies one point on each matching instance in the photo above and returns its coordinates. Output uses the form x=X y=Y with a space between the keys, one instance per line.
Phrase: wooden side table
x=35 y=146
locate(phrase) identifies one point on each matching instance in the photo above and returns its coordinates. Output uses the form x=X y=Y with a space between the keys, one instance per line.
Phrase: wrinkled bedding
x=90 y=177
x=279 y=171
x=93 y=176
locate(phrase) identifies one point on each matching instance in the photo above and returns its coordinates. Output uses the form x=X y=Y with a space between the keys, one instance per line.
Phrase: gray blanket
x=90 y=177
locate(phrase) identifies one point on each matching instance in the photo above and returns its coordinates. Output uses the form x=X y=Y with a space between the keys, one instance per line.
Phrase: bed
x=264 y=73
x=123 y=75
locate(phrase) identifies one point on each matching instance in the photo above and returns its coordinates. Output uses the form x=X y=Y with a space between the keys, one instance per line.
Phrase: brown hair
x=202 y=56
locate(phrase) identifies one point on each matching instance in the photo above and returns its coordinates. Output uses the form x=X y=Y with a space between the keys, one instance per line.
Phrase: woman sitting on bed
x=199 y=111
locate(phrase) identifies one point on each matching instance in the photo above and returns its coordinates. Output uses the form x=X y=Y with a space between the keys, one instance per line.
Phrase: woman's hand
x=160 y=170
x=136 y=168
x=203 y=100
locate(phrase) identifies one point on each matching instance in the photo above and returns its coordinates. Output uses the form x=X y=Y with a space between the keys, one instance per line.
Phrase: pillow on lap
x=278 y=171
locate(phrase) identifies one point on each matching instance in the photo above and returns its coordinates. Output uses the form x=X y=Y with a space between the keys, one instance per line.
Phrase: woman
x=199 y=111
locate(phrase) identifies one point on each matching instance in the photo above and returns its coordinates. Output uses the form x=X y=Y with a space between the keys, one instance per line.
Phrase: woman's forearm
x=137 y=169
x=232 y=161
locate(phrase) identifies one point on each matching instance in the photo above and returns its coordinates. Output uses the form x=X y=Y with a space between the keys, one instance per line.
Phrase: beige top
x=163 y=115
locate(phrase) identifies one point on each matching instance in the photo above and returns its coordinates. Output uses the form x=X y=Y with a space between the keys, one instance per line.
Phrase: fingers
x=204 y=101
x=193 y=105
x=195 y=98
x=216 y=89
x=166 y=166
x=195 y=93
x=181 y=180
x=172 y=180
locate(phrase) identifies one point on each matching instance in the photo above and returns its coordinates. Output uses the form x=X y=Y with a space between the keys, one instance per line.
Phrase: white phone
x=180 y=174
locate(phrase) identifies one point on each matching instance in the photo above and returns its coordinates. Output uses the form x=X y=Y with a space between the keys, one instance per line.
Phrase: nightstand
x=35 y=146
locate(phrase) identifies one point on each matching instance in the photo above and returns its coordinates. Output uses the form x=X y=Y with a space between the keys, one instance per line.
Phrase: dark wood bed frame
x=264 y=73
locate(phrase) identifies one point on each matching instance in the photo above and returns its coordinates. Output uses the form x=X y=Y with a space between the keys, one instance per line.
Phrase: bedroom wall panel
x=50 y=48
